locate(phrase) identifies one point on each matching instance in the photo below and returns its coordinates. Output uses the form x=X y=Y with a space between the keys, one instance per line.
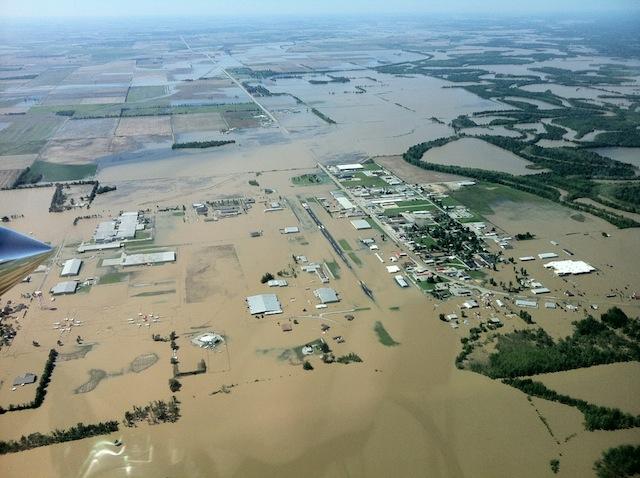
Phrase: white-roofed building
x=326 y=295
x=267 y=304
x=349 y=167
x=71 y=268
x=547 y=255
x=68 y=287
x=569 y=267
x=361 y=224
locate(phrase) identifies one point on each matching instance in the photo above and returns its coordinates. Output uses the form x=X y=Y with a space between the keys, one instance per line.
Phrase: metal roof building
x=290 y=230
x=547 y=255
x=68 y=287
x=152 y=258
x=71 y=268
x=267 y=304
x=326 y=295
x=533 y=304
x=567 y=267
x=349 y=167
x=25 y=379
x=360 y=224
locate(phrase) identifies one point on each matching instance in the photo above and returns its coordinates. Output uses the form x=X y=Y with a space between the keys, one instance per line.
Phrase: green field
x=141 y=93
x=345 y=245
x=114 y=277
x=28 y=134
x=383 y=336
x=334 y=268
x=354 y=257
x=417 y=206
x=52 y=172
x=482 y=196
x=365 y=181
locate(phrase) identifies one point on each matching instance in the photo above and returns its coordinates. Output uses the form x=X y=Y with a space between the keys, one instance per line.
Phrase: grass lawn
x=60 y=172
x=383 y=336
x=355 y=258
x=114 y=277
x=371 y=166
x=345 y=245
x=365 y=181
x=482 y=196
x=334 y=268
x=27 y=134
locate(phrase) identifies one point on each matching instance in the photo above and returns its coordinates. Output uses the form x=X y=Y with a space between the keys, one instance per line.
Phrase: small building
x=345 y=203
x=277 y=283
x=286 y=327
x=326 y=295
x=529 y=303
x=499 y=303
x=25 y=379
x=550 y=305
x=255 y=233
x=267 y=304
x=61 y=288
x=540 y=290
x=151 y=258
x=71 y=268
x=361 y=224
x=290 y=230
x=401 y=281
x=393 y=269
x=470 y=304
x=451 y=317
x=526 y=258
x=547 y=255
x=349 y=167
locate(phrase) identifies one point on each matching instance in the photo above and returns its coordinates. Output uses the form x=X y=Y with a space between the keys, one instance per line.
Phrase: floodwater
x=475 y=153
x=626 y=155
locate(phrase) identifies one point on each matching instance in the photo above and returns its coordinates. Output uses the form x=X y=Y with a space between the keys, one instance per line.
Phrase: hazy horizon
x=120 y=8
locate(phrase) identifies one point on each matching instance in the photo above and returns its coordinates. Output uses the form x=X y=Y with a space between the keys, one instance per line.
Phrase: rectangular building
x=361 y=224
x=71 y=268
x=267 y=304
x=68 y=287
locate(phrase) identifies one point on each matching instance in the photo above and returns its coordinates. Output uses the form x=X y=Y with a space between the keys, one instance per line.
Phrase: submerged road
x=239 y=84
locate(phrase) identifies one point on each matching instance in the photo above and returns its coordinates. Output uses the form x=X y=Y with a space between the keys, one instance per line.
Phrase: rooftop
x=264 y=304
x=71 y=268
x=326 y=295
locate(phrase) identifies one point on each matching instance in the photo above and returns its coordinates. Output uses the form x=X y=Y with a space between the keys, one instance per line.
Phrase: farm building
x=326 y=295
x=361 y=224
x=25 y=379
x=349 y=167
x=68 y=287
x=267 y=304
x=71 y=268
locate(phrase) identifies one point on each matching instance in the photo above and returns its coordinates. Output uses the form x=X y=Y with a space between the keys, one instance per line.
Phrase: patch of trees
x=349 y=358
x=266 y=277
x=525 y=236
x=41 y=391
x=105 y=189
x=202 y=144
x=595 y=416
x=619 y=462
x=77 y=432
x=57 y=201
x=155 y=412
x=322 y=116
x=530 y=352
x=628 y=193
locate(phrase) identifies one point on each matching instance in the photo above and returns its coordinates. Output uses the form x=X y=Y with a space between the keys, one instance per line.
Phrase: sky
x=127 y=8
